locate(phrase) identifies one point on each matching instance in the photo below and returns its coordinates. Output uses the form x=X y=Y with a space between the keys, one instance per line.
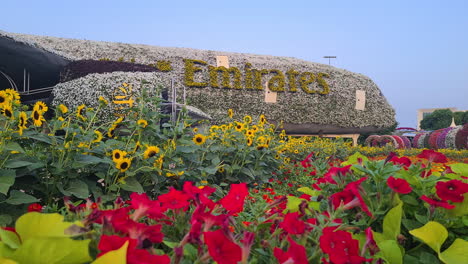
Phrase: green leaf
x=308 y=191
x=432 y=233
x=390 y=251
x=7 y=261
x=13 y=146
x=85 y=160
x=37 y=225
x=132 y=185
x=13 y=164
x=53 y=250
x=10 y=238
x=7 y=179
x=17 y=197
x=353 y=159
x=457 y=253
x=118 y=256
x=5 y=219
x=293 y=204
x=5 y=251
x=392 y=222
x=460 y=209
x=79 y=189
x=460 y=168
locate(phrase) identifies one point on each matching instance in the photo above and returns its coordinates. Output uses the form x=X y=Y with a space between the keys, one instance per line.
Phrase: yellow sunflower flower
x=13 y=95
x=118 y=155
x=247 y=119
x=262 y=120
x=195 y=129
x=123 y=164
x=37 y=118
x=4 y=99
x=80 y=112
x=158 y=163
x=249 y=133
x=8 y=111
x=221 y=169
x=62 y=108
x=230 y=113
x=239 y=126
x=262 y=146
x=199 y=139
x=249 y=142
x=150 y=151
x=97 y=136
x=41 y=107
x=23 y=119
x=143 y=123
x=111 y=131
x=103 y=100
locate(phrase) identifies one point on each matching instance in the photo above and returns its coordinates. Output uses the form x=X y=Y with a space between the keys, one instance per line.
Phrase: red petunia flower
x=356 y=189
x=221 y=248
x=35 y=207
x=145 y=207
x=452 y=190
x=134 y=255
x=433 y=156
x=437 y=203
x=340 y=246
x=174 y=199
x=138 y=231
x=342 y=198
x=234 y=200
x=292 y=224
x=399 y=185
x=405 y=161
x=336 y=171
x=296 y=254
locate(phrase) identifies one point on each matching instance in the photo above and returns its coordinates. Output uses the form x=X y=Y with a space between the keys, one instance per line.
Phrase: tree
x=461 y=118
x=438 y=119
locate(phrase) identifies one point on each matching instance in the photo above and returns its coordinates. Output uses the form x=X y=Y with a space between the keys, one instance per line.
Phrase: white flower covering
x=336 y=108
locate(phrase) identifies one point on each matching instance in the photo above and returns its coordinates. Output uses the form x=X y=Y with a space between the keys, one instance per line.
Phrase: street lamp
x=329 y=57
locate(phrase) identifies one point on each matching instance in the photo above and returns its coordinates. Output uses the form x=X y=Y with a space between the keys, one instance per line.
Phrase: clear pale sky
x=416 y=51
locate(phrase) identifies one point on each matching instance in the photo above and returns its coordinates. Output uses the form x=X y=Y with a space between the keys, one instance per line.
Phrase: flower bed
x=142 y=190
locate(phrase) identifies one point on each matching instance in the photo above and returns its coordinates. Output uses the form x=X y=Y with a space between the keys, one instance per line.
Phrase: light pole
x=329 y=58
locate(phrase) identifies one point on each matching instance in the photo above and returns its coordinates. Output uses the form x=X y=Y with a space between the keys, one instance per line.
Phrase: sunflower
x=249 y=133
x=41 y=107
x=150 y=151
x=111 y=131
x=4 y=99
x=143 y=123
x=249 y=141
x=7 y=111
x=80 y=111
x=13 y=95
x=221 y=169
x=199 y=139
x=118 y=155
x=98 y=136
x=262 y=146
x=247 y=119
x=239 y=126
x=23 y=118
x=123 y=164
x=63 y=109
x=230 y=113
x=158 y=163
x=37 y=118
x=103 y=100
x=137 y=146
x=195 y=129
x=262 y=120
x=255 y=129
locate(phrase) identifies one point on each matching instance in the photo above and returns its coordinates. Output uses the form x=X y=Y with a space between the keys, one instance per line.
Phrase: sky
x=415 y=51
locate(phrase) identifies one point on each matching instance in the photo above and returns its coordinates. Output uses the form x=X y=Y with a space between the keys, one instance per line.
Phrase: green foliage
x=438 y=119
x=461 y=118
x=42 y=239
